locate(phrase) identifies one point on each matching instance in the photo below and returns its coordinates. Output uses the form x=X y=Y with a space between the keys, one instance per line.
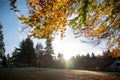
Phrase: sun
x=70 y=46
x=67 y=56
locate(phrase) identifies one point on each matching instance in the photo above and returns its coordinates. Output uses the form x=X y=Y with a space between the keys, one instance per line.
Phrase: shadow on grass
x=55 y=74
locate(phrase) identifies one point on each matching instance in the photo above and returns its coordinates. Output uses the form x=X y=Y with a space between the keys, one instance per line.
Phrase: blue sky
x=69 y=45
x=10 y=26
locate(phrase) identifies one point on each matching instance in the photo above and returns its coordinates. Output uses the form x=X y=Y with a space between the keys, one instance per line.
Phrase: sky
x=68 y=46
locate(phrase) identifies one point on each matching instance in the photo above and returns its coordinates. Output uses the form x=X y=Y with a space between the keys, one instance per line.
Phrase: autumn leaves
x=46 y=17
x=99 y=18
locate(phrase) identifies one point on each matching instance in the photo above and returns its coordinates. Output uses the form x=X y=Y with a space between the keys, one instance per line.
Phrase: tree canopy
x=89 y=18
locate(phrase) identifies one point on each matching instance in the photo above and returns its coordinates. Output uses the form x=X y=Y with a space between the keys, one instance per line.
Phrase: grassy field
x=55 y=74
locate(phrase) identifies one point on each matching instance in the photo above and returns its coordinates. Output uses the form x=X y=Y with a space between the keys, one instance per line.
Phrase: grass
x=55 y=74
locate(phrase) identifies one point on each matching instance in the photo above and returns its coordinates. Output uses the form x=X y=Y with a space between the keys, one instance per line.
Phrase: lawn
x=55 y=74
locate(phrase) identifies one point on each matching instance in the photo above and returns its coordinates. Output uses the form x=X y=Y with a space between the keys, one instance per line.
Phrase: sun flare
x=70 y=46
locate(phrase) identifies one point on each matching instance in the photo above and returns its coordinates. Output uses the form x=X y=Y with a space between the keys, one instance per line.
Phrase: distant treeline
x=99 y=62
x=28 y=56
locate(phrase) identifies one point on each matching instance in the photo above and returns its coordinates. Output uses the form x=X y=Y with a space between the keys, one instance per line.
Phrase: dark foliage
x=4 y=61
x=2 y=49
x=25 y=54
x=44 y=56
x=99 y=62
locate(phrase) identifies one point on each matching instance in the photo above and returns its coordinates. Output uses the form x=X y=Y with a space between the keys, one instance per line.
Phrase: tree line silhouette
x=99 y=62
x=28 y=56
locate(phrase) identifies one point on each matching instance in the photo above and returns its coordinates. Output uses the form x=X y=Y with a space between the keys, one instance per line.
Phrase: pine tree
x=2 y=49
x=39 y=52
x=4 y=61
x=48 y=52
x=61 y=61
x=25 y=54
x=48 y=48
x=15 y=58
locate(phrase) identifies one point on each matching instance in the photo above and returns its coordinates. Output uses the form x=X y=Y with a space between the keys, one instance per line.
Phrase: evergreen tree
x=8 y=60
x=16 y=59
x=106 y=60
x=39 y=52
x=39 y=48
x=87 y=61
x=48 y=48
x=4 y=61
x=48 y=52
x=61 y=61
x=93 y=61
x=25 y=55
x=28 y=52
x=2 y=49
